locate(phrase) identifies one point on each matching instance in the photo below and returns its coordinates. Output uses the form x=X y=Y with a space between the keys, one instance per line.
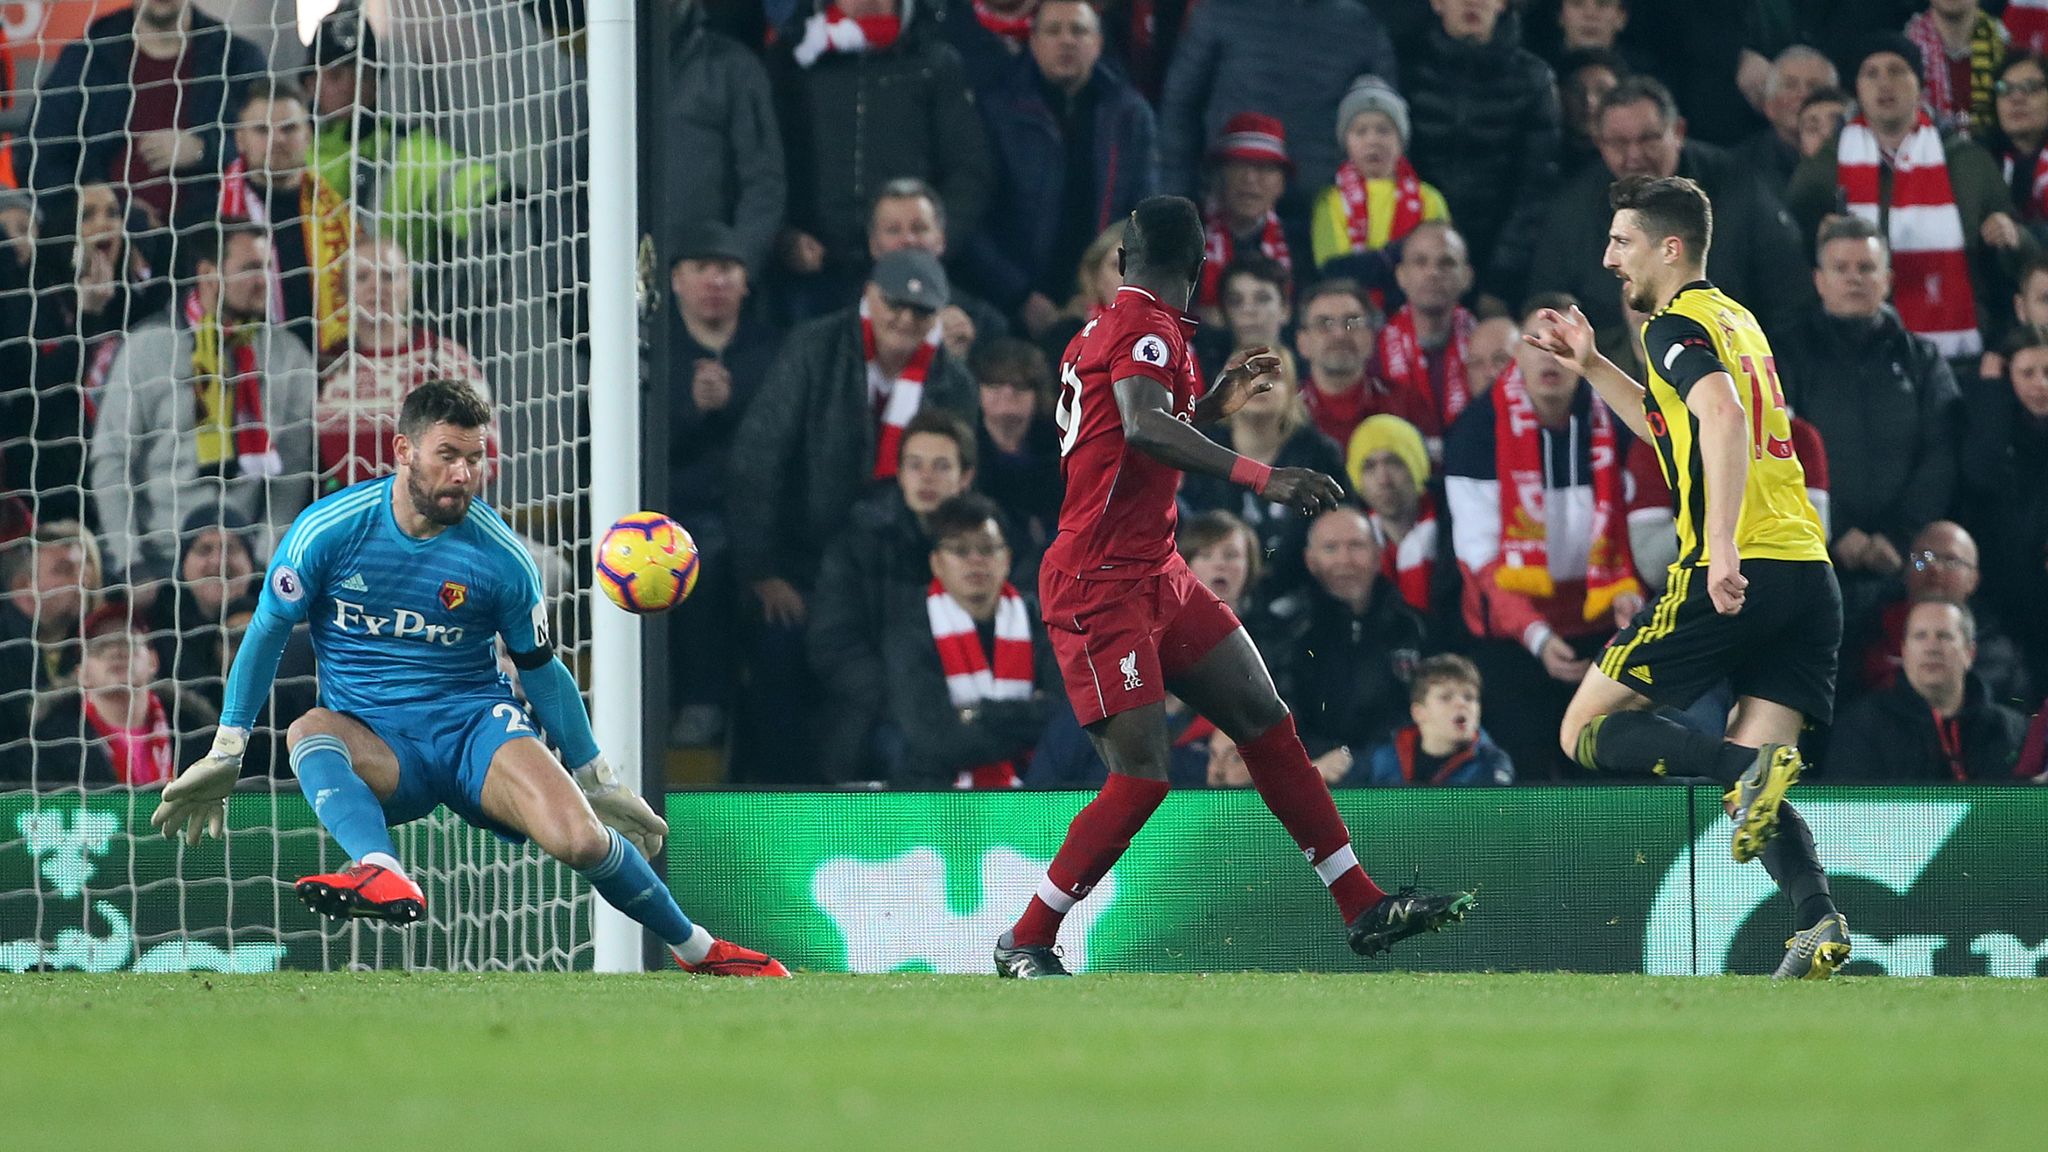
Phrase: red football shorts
x=1118 y=641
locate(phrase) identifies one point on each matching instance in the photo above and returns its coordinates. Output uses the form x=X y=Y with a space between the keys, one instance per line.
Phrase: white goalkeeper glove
x=619 y=806
x=198 y=799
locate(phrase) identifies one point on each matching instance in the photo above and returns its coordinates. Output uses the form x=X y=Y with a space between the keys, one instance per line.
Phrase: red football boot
x=364 y=892
x=729 y=959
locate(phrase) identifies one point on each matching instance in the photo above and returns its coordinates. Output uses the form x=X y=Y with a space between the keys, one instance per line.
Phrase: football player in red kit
x=1128 y=620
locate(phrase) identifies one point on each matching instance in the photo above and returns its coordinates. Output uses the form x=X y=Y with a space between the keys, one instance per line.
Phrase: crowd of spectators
x=882 y=221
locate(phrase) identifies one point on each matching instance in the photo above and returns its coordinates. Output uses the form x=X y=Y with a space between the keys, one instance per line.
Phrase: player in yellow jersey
x=1752 y=599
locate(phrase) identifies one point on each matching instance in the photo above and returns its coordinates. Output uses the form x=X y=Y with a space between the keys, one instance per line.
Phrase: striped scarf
x=1525 y=555
x=229 y=404
x=1353 y=188
x=140 y=756
x=1970 y=111
x=2026 y=21
x=2035 y=206
x=1221 y=249
x=831 y=30
x=901 y=397
x=1930 y=270
x=330 y=232
x=971 y=679
x=1403 y=363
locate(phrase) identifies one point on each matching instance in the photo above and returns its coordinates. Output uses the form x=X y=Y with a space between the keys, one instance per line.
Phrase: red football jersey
x=1117 y=521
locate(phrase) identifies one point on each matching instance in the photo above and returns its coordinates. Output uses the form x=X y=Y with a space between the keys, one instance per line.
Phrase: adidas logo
x=354 y=583
x=1641 y=672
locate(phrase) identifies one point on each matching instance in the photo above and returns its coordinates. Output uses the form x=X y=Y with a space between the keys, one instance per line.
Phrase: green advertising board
x=1935 y=881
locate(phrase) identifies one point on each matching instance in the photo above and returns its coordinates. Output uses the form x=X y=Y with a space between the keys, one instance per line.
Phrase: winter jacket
x=722 y=159
x=67 y=753
x=2005 y=505
x=1018 y=250
x=1888 y=410
x=1394 y=764
x=1344 y=676
x=805 y=451
x=938 y=742
x=1486 y=133
x=1756 y=257
x=1889 y=737
x=143 y=462
x=853 y=122
x=881 y=561
x=1282 y=532
x=700 y=442
x=1292 y=59
x=79 y=129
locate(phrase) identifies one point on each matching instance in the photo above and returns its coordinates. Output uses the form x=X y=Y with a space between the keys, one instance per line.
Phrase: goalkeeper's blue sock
x=628 y=883
x=344 y=804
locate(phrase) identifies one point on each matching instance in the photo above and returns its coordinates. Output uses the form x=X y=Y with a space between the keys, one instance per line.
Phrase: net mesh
x=418 y=177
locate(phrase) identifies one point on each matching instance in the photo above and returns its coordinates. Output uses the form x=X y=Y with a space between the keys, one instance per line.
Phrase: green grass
x=1299 y=1063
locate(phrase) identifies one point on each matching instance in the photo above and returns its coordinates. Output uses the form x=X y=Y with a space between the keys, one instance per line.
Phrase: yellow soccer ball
x=646 y=563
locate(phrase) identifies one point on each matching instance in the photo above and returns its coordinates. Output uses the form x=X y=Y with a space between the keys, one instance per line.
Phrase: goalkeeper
x=406 y=582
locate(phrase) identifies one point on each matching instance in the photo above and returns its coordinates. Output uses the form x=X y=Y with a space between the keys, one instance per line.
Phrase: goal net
x=225 y=256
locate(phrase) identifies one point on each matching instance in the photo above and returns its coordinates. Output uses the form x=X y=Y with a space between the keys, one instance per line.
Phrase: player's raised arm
x=1570 y=340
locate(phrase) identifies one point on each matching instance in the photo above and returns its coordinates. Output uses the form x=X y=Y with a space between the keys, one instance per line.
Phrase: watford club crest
x=453 y=595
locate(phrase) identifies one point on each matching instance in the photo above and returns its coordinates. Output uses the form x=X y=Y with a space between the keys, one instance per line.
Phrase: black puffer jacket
x=1345 y=677
x=1486 y=133
x=723 y=159
x=1889 y=737
x=805 y=453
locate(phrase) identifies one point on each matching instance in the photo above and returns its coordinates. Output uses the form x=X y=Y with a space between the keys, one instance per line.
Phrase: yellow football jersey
x=1701 y=332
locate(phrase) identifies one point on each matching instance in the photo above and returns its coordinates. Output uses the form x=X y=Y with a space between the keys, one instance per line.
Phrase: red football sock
x=1095 y=840
x=1296 y=793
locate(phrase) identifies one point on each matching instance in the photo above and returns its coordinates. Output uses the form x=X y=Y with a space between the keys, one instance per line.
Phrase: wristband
x=1249 y=473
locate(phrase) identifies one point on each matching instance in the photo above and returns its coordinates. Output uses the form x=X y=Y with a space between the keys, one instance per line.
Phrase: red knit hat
x=1254 y=138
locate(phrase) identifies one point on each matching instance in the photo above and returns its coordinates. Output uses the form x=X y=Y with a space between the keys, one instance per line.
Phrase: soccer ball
x=646 y=563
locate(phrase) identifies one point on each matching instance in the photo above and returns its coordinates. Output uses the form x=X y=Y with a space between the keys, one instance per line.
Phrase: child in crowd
x=1377 y=198
x=1444 y=745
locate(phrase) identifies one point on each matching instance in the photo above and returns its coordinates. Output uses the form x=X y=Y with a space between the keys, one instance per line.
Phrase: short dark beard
x=1640 y=299
x=423 y=502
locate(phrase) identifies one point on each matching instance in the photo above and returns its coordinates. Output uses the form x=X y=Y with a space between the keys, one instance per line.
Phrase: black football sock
x=1649 y=742
x=1792 y=862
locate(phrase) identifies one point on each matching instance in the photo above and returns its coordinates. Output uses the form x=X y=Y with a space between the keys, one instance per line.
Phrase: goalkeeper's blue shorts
x=444 y=753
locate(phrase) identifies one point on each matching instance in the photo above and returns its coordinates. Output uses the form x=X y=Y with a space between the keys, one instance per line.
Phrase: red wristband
x=1249 y=473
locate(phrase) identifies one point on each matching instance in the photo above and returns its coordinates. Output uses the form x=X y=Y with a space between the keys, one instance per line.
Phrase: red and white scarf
x=2027 y=22
x=1411 y=564
x=1221 y=249
x=899 y=398
x=1930 y=272
x=141 y=756
x=1015 y=29
x=330 y=233
x=2036 y=205
x=1351 y=187
x=831 y=30
x=1404 y=364
x=971 y=678
x=1524 y=536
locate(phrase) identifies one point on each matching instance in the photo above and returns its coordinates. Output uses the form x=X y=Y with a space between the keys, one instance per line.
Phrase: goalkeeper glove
x=615 y=803
x=198 y=799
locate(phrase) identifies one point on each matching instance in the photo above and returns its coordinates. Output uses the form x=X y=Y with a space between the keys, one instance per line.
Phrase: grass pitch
x=307 y=1063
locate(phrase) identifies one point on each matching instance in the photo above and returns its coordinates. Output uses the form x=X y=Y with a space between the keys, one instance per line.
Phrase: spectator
x=826 y=427
x=1293 y=64
x=2021 y=132
x=422 y=191
x=1335 y=335
x=1095 y=285
x=1960 y=51
x=48 y=582
x=1962 y=234
x=2029 y=310
x=993 y=37
x=1489 y=352
x=1248 y=174
x=1535 y=488
x=1018 y=446
x=1772 y=154
x=1886 y=406
x=868 y=94
x=1254 y=304
x=117 y=728
x=882 y=559
x=216 y=565
x=1583 y=80
x=1938 y=723
x=1389 y=468
x=1423 y=349
x=1075 y=149
x=720 y=356
x=222 y=410
x=969 y=678
x=1757 y=254
x=1443 y=744
x=1343 y=646
x=1820 y=117
x=311 y=226
x=1943 y=565
x=2005 y=485
x=1377 y=199
x=1591 y=25
x=1223 y=552
x=141 y=102
x=391 y=354
x=1486 y=132
x=908 y=214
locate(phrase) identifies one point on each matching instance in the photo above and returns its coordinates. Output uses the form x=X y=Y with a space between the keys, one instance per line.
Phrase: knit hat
x=1895 y=43
x=1371 y=94
x=1384 y=433
x=1254 y=138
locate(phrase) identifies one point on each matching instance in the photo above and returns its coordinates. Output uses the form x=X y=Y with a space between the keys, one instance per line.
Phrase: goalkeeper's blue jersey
x=398 y=621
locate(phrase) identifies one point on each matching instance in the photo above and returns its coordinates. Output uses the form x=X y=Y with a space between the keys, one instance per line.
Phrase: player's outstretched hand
x=1726 y=585
x=1303 y=488
x=197 y=801
x=1248 y=373
x=620 y=807
x=1568 y=338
